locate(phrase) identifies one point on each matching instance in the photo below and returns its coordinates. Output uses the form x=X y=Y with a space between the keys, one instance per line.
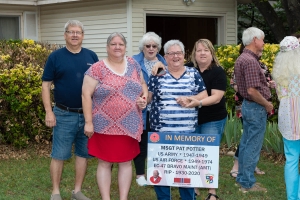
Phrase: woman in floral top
x=286 y=73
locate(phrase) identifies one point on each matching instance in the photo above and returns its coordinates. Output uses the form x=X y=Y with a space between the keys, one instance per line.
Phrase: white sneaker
x=141 y=181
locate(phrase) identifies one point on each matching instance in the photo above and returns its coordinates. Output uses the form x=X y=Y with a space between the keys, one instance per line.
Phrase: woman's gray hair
x=74 y=23
x=148 y=37
x=250 y=33
x=172 y=43
x=115 y=34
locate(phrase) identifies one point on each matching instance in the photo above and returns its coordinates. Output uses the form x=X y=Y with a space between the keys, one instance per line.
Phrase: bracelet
x=200 y=105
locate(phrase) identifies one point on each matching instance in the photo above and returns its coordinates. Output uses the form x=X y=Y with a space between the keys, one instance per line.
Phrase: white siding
x=34 y=2
x=18 y=2
x=224 y=10
x=100 y=19
x=41 y=2
x=5 y=8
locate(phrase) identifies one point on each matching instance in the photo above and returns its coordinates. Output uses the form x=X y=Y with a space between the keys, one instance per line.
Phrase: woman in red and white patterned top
x=114 y=94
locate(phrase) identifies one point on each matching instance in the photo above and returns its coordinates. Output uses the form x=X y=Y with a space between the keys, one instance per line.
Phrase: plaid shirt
x=248 y=74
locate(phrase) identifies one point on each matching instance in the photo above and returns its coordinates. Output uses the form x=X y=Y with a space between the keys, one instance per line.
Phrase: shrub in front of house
x=21 y=109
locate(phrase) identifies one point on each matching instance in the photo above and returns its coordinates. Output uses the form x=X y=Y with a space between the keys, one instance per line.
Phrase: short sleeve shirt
x=166 y=115
x=114 y=100
x=248 y=74
x=66 y=70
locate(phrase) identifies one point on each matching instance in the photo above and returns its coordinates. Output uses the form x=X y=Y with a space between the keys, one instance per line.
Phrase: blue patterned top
x=166 y=115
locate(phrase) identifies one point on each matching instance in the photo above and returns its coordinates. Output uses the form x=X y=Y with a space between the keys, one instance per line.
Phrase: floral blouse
x=288 y=113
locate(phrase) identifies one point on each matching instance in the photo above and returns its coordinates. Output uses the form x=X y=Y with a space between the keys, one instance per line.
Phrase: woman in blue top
x=212 y=114
x=149 y=45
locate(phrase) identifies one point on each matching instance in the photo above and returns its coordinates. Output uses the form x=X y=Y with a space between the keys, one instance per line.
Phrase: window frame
x=19 y=16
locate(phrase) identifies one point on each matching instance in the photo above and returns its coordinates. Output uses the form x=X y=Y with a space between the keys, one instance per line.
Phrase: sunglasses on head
x=151 y=45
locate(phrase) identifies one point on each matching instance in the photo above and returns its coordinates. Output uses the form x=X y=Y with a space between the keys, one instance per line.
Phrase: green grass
x=30 y=180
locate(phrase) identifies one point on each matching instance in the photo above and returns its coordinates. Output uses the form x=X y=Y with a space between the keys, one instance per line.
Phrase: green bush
x=233 y=131
x=273 y=142
x=22 y=113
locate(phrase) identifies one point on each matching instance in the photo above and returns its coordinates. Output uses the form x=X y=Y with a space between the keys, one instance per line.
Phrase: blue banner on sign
x=184 y=138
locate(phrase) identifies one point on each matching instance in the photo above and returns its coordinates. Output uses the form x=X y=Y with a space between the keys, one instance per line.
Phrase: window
x=30 y=25
x=9 y=27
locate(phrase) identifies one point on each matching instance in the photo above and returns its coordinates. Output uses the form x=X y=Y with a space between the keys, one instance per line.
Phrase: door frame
x=221 y=19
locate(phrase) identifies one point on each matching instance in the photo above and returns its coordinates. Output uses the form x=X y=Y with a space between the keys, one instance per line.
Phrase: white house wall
x=10 y=9
x=33 y=2
x=100 y=19
x=225 y=10
x=18 y=2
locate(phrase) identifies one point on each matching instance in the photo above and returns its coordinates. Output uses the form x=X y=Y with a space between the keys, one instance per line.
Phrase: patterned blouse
x=114 y=101
x=288 y=115
x=149 y=65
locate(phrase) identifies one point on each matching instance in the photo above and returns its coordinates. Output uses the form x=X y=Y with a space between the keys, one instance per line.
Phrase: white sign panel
x=183 y=160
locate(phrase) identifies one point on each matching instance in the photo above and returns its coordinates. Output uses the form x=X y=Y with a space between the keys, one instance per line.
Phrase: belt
x=249 y=100
x=76 y=110
x=254 y=101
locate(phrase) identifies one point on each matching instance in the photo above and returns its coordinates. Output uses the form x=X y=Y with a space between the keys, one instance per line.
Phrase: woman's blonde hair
x=286 y=65
x=209 y=45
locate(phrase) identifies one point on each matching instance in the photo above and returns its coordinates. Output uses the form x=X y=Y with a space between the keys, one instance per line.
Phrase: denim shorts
x=69 y=129
x=213 y=127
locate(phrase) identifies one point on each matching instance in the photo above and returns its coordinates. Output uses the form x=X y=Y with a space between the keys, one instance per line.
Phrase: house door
x=186 y=29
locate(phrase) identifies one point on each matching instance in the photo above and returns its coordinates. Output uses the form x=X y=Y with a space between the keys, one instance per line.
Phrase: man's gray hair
x=148 y=37
x=115 y=34
x=172 y=43
x=74 y=23
x=250 y=33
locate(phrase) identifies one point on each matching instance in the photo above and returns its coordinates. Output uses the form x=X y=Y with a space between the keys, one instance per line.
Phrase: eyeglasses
x=148 y=46
x=74 y=32
x=172 y=54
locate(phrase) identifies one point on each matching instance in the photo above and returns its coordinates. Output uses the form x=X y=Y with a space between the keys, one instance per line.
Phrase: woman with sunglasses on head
x=149 y=46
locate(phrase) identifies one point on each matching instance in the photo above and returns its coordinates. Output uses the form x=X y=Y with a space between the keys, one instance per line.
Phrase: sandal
x=210 y=195
x=234 y=174
x=258 y=171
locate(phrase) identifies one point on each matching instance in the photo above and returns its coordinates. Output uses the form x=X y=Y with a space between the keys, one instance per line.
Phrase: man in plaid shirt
x=253 y=87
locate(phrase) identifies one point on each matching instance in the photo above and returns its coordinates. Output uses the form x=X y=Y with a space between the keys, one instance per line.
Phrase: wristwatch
x=200 y=105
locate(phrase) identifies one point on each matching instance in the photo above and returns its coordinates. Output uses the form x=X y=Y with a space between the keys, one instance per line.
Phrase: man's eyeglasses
x=148 y=46
x=74 y=32
x=172 y=54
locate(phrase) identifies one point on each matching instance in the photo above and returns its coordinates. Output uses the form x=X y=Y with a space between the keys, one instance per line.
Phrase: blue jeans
x=164 y=193
x=69 y=129
x=214 y=127
x=254 y=127
x=291 y=168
